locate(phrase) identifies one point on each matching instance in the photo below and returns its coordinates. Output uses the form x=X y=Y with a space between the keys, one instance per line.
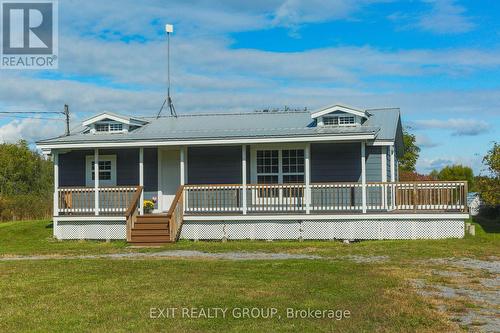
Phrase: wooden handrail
x=134 y=202
x=131 y=212
x=175 y=214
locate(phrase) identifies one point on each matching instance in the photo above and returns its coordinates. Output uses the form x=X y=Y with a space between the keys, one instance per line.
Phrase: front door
x=169 y=176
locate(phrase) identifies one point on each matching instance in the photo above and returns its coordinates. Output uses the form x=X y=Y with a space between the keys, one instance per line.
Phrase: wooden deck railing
x=176 y=214
x=132 y=211
x=81 y=200
x=326 y=197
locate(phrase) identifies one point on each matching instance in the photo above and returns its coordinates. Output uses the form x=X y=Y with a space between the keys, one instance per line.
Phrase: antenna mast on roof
x=169 y=28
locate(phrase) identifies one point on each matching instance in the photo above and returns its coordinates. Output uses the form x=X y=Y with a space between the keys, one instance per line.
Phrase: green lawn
x=116 y=295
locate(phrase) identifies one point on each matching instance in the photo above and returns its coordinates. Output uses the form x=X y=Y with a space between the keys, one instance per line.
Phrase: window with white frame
x=280 y=166
x=109 y=127
x=339 y=120
x=107 y=170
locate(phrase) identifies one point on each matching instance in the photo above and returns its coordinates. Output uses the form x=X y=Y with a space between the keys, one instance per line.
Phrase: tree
x=489 y=186
x=410 y=153
x=25 y=183
x=456 y=172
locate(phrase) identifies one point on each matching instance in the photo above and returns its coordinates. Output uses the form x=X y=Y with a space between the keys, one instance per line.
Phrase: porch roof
x=381 y=125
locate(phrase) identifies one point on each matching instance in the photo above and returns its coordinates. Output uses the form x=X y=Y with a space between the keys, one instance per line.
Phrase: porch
x=260 y=182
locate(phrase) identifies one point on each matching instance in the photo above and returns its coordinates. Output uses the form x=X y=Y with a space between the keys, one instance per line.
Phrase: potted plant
x=149 y=205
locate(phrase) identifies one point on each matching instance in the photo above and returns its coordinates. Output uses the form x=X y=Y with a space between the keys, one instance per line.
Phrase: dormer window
x=339 y=115
x=109 y=127
x=112 y=123
x=340 y=120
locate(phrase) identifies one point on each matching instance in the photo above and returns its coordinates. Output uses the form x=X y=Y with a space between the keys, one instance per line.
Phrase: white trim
x=307 y=176
x=341 y=108
x=278 y=217
x=141 y=179
x=159 y=180
x=182 y=166
x=56 y=183
x=381 y=143
x=96 y=179
x=131 y=144
x=393 y=172
x=244 y=178
x=118 y=118
x=363 y=176
x=384 y=163
x=88 y=169
x=88 y=218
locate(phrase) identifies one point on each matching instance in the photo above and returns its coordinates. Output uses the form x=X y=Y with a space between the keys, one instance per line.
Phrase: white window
x=107 y=170
x=115 y=127
x=102 y=127
x=280 y=166
x=346 y=120
x=339 y=120
x=109 y=127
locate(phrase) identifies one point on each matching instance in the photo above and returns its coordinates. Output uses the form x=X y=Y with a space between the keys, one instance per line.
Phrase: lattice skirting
x=90 y=230
x=324 y=229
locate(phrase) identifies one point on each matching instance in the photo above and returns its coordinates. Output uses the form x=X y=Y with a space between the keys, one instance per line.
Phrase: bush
x=25 y=207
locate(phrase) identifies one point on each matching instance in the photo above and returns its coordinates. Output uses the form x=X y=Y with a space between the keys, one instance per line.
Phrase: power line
x=31 y=112
x=24 y=117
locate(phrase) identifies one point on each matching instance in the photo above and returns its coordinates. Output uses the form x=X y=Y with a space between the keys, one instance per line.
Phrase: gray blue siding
x=335 y=162
x=214 y=165
x=373 y=164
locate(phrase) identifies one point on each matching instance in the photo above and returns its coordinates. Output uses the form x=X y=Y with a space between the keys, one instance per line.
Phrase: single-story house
x=328 y=174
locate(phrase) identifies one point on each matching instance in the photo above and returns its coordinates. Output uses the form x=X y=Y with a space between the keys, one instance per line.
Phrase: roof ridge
x=232 y=114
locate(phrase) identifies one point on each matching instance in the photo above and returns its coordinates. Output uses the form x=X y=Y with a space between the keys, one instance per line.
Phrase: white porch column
x=183 y=165
x=363 y=175
x=141 y=179
x=393 y=164
x=96 y=181
x=383 y=161
x=55 y=159
x=244 y=178
x=393 y=176
x=307 y=176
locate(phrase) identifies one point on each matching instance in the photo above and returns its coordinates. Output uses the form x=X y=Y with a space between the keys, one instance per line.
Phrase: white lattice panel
x=91 y=230
x=325 y=229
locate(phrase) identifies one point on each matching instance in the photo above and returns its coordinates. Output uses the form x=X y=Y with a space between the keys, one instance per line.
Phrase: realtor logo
x=29 y=34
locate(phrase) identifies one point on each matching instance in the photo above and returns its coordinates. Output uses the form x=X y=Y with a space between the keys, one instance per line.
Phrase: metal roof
x=382 y=123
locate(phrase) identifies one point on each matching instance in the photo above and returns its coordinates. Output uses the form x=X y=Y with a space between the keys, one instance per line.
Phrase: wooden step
x=151 y=226
x=156 y=219
x=149 y=238
x=161 y=232
x=149 y=243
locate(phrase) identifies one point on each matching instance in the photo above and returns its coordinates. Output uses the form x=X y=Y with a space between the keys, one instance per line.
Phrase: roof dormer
x=339 y=115
x=112 y=123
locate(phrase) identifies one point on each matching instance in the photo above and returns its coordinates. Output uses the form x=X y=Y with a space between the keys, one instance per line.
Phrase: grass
x=116 y=295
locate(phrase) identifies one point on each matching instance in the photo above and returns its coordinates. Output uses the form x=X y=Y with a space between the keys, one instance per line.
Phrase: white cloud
x=445 y=17
x=426 y=165
x=30 y=129
x=459 y=127
x=423 y=141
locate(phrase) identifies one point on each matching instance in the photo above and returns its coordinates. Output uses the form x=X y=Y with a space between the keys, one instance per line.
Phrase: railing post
x=393 y=175
x=55 y=155
x=244 y=178
x=415 y=197
x=307 y=171
x=96 y=181
x=363 y=175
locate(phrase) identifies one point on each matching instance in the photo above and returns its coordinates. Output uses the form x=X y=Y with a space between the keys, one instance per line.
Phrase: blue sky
x=438 y=60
